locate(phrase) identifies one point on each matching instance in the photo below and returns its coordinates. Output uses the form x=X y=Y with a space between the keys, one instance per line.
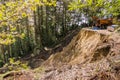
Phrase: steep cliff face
x=87 y=46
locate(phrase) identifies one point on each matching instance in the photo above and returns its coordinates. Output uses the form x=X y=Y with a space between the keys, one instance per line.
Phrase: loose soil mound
x=36 y=61
x=87 y=46
x=91 y=55
x=105 y=69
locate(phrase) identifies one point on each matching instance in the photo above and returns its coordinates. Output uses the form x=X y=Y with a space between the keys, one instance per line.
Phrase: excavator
x=102 y=23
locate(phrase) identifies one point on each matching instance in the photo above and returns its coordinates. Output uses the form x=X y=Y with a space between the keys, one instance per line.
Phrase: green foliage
x=97 y=7
x=10 y=14
x=74 y=5
x=15 y=65
x=19 y=37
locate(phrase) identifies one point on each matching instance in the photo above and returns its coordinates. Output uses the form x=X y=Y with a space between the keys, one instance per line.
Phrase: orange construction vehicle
x=102 y=23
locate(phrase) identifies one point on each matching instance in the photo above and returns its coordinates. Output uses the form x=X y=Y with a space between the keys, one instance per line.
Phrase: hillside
x=87 y=46
x=91 y=55
x=59 y=40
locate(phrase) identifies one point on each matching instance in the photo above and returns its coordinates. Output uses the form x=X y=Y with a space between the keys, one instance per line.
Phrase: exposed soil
x=87 y=46
x=101 y=70
x=21 y=75
x=43 y=55
x=90 y=55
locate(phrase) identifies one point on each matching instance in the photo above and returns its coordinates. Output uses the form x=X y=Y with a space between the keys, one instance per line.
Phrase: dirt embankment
x=105 y=69
x=91 y=55
x=87 y=46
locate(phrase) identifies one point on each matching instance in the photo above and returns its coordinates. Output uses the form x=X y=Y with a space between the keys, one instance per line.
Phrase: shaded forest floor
x=82 y=55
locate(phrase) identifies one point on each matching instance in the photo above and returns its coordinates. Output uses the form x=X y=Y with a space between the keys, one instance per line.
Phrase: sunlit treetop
x=101 y=7
x=11 y=11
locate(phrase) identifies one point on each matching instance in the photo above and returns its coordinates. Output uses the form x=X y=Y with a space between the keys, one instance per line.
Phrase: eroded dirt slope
x=91 y=55
x=87 y=46
x=105 y=69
